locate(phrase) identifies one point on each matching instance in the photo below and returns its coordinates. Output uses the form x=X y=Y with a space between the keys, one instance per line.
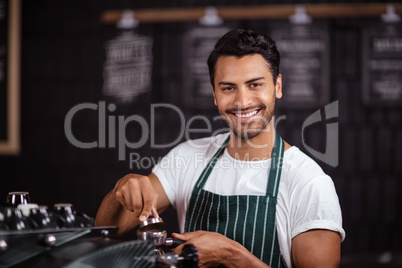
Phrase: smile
x=247 y=115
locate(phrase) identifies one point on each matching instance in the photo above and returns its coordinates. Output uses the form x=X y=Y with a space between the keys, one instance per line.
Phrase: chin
x=247 y=135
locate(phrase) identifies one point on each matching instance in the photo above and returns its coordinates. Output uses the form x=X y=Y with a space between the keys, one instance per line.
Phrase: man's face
x=245 y=94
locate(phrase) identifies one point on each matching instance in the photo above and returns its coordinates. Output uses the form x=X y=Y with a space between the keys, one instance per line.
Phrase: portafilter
x=150 y=230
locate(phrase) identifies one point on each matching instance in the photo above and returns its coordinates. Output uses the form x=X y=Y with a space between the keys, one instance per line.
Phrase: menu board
x=304 y=66
x=198 y=44
x=127 y=71
x=382 y=65
x=3 y=70
x=9 y=76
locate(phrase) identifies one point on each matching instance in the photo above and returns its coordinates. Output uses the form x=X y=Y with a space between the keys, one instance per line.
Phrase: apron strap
x=274 y=173
x=276 y=166
x=210 y=166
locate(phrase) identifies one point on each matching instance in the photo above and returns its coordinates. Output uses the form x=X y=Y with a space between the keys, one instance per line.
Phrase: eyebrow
x=248 y=81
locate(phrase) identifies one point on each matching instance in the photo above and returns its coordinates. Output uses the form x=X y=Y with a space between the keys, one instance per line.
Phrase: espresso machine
x=151 y=230
x=36 y=236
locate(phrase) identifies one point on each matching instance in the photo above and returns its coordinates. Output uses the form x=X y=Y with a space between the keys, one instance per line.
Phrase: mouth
x=245 y=116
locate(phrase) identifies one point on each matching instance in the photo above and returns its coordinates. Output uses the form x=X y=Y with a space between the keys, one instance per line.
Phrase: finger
x=187 y=236
x=130 y=196
x=155 y=207
x=179 y=236
x=179 y=248
x=120 y=198
x=120 y=193
x=149 y=198
x=135 y=203
x=155 y=212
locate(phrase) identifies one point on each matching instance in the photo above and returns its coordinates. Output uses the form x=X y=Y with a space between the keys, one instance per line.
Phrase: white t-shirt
x=306 y=197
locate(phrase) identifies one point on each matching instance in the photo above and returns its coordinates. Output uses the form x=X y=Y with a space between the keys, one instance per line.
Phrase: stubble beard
x=247 y=131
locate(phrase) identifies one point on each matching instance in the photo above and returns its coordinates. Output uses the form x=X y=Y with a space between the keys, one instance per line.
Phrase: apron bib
x=247 y=219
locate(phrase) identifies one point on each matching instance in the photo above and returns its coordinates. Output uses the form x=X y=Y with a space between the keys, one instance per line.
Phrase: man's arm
x=214 y=249
x=131 y=201
x=316 y=248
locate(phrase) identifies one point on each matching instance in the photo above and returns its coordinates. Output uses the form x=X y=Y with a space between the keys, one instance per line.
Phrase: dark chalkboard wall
x=61 y=63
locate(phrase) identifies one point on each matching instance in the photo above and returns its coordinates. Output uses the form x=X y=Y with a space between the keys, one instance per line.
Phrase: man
x=257 y=200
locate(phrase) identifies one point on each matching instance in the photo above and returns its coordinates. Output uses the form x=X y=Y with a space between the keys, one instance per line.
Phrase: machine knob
x=15 y=220
x=66 y=215
x=3 y=245
x=16 y=198
x=188 y=257
x=48 y=240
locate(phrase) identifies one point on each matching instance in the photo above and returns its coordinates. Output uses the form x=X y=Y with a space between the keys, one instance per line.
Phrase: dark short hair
x=240 y=43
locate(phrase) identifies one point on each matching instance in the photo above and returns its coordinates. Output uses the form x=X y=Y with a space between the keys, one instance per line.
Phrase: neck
x=255 y=149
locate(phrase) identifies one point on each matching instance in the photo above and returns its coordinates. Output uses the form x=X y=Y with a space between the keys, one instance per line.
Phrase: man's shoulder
x=302 y=176
x=299 y=165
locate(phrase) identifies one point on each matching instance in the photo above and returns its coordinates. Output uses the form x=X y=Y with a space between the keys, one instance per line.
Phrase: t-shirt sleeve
x=166 y=170
x=317 y=207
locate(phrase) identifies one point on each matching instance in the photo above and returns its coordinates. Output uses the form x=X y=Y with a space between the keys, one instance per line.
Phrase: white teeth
x=250 y=114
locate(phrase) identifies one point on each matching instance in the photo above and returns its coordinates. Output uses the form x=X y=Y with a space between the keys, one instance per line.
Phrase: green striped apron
x=247 y=219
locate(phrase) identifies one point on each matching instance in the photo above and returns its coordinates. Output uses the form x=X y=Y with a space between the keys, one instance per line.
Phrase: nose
x=243 y=98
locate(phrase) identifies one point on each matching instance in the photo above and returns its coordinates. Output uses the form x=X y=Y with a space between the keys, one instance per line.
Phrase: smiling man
x=255 y=200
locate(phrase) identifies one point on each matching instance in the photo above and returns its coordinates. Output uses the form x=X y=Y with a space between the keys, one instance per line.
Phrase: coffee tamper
x=151 y=223
x=150 y=230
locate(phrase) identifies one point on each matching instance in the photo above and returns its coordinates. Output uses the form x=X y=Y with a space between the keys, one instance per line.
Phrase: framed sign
x=9 y=76
x=305 y=64
x=127 y=71
x=382 y=65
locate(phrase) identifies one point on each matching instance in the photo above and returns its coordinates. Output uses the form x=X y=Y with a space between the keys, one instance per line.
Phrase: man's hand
x=215 y=249
x=131 y=201
x=136 y=194
x=210 y=246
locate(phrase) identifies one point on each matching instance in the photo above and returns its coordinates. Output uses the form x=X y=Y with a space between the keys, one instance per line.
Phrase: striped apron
x=247 y=219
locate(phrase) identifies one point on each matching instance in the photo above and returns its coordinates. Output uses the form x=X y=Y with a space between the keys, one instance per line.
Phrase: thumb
x=145 y=214
x=179 y=236
x=184 y=236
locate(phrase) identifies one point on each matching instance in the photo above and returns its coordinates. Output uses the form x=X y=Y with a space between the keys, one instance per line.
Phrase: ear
x=278 y=87
x=213 y=92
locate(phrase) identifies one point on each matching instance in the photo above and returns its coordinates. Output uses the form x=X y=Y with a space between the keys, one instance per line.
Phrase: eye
x=255 y=84
x=228 y=88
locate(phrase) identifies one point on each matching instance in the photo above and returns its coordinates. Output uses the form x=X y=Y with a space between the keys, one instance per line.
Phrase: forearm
x=112 y=213
x=215 y=249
